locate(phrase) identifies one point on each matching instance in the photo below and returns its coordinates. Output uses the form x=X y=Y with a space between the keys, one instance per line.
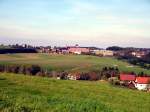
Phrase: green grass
x=68 y=62
x=19 y=93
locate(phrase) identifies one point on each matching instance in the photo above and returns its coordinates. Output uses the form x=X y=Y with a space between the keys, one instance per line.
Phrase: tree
x=114 y=48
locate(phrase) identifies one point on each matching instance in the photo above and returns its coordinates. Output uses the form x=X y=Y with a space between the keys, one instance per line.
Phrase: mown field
x=69 y=63
x=20 y=93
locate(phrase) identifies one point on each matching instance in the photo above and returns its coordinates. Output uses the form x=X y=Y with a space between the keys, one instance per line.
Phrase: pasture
x=69 y=63
x=20 y=93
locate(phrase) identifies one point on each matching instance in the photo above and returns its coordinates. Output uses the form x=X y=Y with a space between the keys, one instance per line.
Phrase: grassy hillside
x=68 y=62
x=21 y=93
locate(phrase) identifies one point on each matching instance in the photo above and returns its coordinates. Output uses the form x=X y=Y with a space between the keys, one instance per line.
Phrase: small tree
x=141 y=74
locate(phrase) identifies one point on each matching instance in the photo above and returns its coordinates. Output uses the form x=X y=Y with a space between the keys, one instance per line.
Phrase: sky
x=99 y=23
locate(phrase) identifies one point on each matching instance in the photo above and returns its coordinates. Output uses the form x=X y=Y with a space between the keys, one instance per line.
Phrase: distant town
x=76 y=49
x=135 y=56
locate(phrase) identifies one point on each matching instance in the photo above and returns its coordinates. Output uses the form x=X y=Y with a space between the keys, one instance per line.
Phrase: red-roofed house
x=78 y=50
x=142 y=83
x=127 y=80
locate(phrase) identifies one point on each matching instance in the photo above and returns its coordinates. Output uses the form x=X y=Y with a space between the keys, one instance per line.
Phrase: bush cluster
x=21 y=69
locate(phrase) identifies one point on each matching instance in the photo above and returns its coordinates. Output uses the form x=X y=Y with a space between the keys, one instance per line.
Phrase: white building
x=142 y=83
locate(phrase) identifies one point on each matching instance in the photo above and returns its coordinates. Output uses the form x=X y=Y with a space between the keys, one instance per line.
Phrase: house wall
x=104 y=52
x=142 y=86
x=78 y=50
x=72 y=78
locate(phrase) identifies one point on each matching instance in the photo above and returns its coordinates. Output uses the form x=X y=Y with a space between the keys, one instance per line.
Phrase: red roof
x=143 y=80
x=78 y=49
x=127 y=77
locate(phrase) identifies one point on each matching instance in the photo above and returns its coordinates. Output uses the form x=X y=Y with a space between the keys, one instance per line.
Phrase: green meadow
x=20 y=93
x=69 y=63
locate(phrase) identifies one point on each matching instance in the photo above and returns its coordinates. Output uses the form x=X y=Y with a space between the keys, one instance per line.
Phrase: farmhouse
x=142 y=83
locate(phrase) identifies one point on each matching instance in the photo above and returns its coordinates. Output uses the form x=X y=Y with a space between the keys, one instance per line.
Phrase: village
x=129 y=80
x=77 y=49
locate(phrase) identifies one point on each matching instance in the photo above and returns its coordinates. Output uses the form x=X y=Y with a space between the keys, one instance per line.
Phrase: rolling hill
x=19 y=93
x=69 y=63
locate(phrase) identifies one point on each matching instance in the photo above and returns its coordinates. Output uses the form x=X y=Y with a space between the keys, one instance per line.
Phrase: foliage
x=115 y=48
x=114 y=81
x=108 y=72
x=17 y=50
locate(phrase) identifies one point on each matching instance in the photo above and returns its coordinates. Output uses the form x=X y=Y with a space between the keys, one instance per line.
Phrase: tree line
x=36 y=70
x=17 y=50
x=142 y=62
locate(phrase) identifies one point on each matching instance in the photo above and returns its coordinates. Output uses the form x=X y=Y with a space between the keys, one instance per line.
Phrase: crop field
x=20 y=93
x=69 y=63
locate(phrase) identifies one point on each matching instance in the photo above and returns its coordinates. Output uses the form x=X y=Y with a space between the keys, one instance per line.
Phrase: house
x=78 y=50
x=44 y=49
x=127 y=80
x=104 y=52
x=73 y=76
x=142 y=83
x=138 y=54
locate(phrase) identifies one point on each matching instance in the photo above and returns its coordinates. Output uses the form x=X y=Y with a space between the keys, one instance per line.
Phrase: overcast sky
x=67 y=22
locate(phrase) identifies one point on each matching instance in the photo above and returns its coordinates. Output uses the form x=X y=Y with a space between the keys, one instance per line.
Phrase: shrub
x=114 y=81
x=93 y=76
x=63 y=75
x=84 y=76
x=2 y=68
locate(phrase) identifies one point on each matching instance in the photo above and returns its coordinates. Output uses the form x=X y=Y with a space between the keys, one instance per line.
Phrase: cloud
x=102 y=22
x=78 y=7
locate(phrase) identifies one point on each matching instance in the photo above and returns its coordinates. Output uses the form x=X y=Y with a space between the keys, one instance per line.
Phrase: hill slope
x=68 y=62
x=27 y=93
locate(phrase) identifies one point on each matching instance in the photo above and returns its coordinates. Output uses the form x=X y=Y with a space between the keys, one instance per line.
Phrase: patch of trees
x=142 y=62
x=142 y=74
x=103 y=74
x=108 y=72
x=89 y=76
x=115 y=48
x=35 y=70
x=17 y=50
x=21 y=69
